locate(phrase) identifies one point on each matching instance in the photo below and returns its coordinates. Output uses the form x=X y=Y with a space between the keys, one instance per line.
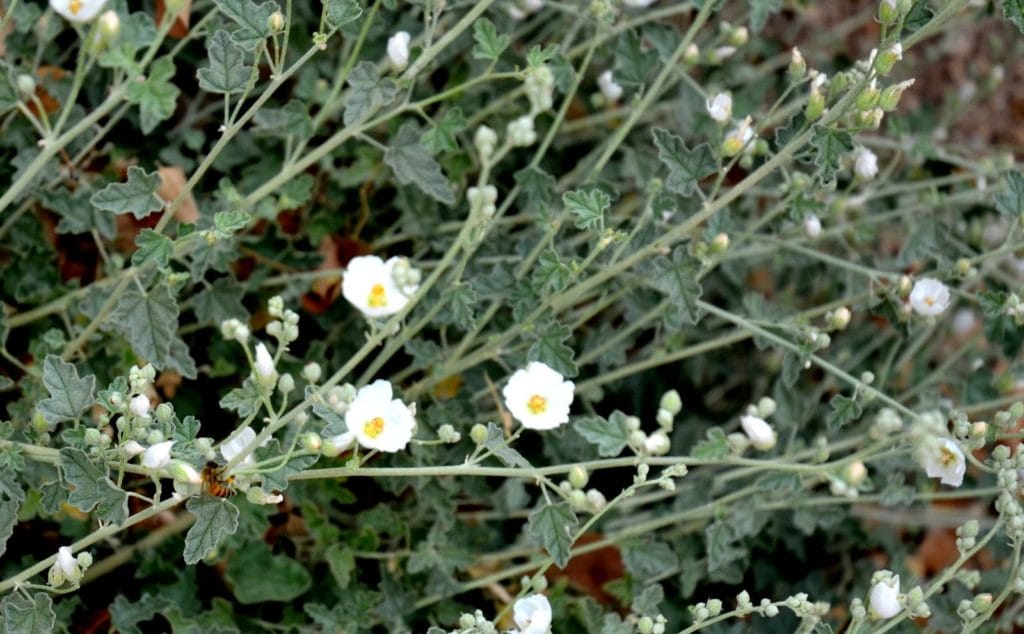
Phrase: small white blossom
x=132 y=448
x=760 y=433
x=865 y=163
x=398 y=49
x=929 y=297
x=482 y=200
x=638 y=4
x=66 y=568
x=158 y=456
x=532 y=614
x=812 y=226
x=233 y=447
x=609 y=88
x=369 y=285
x=738 y=138
x=883 y=602
x=720 y=107
x=379 y=421
x=78 y=10
x=538 y=396
x=944 y=459
x=264 y=365
x=140 y=406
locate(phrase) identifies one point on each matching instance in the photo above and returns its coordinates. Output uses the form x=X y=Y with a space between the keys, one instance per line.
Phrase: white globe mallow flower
x=883 y=600
x=538 y=396
x=532 y=614
x=78 y=10
x=812 y=226
x=132 y=448
x=65 y=568
x=942 y=458
x=140 y=406
x=158 y=456
x=369 y=285
x=929 y=297
x=720 y=107
x=865 y=164
x=760 y=433
x=233 y=447
x=398 y=49
x=379 y=421
x=611 y=90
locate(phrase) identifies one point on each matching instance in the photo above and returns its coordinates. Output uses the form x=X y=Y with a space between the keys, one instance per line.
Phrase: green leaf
x=538 y=189
x=647 y=602
x=125 y=615
x=216 y=518
x=489 y=44
x=412 y=164
x=28 y=616
x=8 y=95
x=647 y=558
x=367 y=92
x=459 y=300
x=1013 y=10
x=844 y=410
x=92 y=488
x=551 y=349
x=277 y=480
x=153 y=247
x=245 y=400
x=342 y=562
x=920 y=14
x=229 y=222
x=589 y=208
x=552 y=526
x=136 y=196
x=251 y=19
x=677 y=278
x=149 y=322
x=715 y=447
x=610 y=435
x=155 y=95
x=77 y=215
x=498 y=446
x=8 y=519
x=69 y=394
x=760 y=10
x=1011 y=202
x=686 y=167
x=633 y=63
x=441 y=137
x=258 y=576
x=721 y=539
x=227 y=73
x=550 y=274
x=830 y=145
x=338 y=13
x=10 y=486
x=220 y=301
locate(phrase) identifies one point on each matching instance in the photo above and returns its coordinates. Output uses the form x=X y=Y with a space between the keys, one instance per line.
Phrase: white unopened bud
x=485 y=140
x=256 y=495
x=520 y=131
x=759 y=432
x=812 y=226
x=264 y=366
x=657 y=444
x=140 y=406
x=720 y=107
x=110 y=25
x=311 y=372
x=611 y=90
x=865 y=164
x=398 y=49
x=183 y=471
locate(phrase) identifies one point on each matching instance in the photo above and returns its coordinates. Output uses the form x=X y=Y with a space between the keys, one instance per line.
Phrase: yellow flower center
x=537 y=404
x=374 y=427
x=377 y=297
x=947 y=458
x=75 y=6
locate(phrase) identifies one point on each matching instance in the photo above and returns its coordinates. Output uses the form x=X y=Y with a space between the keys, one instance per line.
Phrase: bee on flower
x=539 y=397
x=370 y=285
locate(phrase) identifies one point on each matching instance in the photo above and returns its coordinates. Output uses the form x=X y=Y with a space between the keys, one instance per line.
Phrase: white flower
x=233 y=447
x=78 y=10
x=720 y=107
x=369 y=285
x=883 y=601
x=638 y=4
x=158 y=456
x=538 y=396
x=760 y=433
x=865 y=163
x=132 y=448
x=611 y=90
x=929 y=297
x=531 y=6
x=68 y=564
x=945 y=460
x=140 y=406
x=812 y=226
x=379 y=421
x=532 y=614
x=264 y=365
x=398 y=49
x=737 y=138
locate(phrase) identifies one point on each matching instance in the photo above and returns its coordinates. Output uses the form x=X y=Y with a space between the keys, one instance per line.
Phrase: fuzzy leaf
x=460 y=300
x=367 y=92
x=552 y=526
x=441 y=137
x=489 y=44
x=413 y=164
x=610 y=435
x=589 y=207
x=92 y=488
x=28 y=616
x=633 y=62
x=714 y=447
x=227 y=73
x=153 y=247
x=686 y=167
x=277 y=480
x=677 y=278
x=216 y=518
x=844 y=410
x=69 y=393
x=136 y=196
x=499 y=448
x=220 y=301
x=149 y=323
x=258 y=576
x=550 y=274
x=760 y=10
x=1011 y=201
x=551 y=349
x=338 y=13
x=830 y=145
x=156 y=96
x=8 y=518
x=1013 y=10
x=251 y=19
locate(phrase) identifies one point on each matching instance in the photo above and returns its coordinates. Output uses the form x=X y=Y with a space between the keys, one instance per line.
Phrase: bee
x=214 y=481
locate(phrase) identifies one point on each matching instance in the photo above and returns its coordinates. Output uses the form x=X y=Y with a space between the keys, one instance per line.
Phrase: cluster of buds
x=810 y=612
x=705 y=610
x=68 y=568
x=850 y=481
x=966 y=536
x=582 y=499
x=482 y=201
x=339 y=397
x=890 y=12
x=485 y=140
x=656 y=443
x=475 y=623
x=446 y=433
x=971 y=609
x=886 y=423
x=539 y=83
x=1014 y=308
x=757 y=432
x=648 y=625
x=521 y=132
x=285 y=325
x=1005 y=419
x=234 y=330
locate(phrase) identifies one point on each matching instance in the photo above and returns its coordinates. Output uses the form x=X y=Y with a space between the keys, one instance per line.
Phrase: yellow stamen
x=377 y=297
x=374 y=427
x=537 y=404
x=929 y=300
x=75 y=6
x=948 y=458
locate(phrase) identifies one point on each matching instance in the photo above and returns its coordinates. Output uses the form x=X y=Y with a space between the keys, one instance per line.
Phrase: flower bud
x=720 y=243
x=692 y=55
x=398 y=49
x=759 y=432
x=485 y=140
x=286 y=383
x=888 y=13
x=311 y=441
x=478 y=433
x=596 y=500
x=657 y=444
x=92 y=436
x=447 y=434
x=311 y=372
x=885 y=60
x=855 y=473
x=578 y=476
x=275 y=22
x=337 y=445
x=520 y=131
x=868 y=97
x=266 y=373
x=672 y=402
x=797 y=65
x=839 y=319
x=26 y=85
x=645 y=625
x=110 y=25
x=815 y=105
x=140 y=406
x=183 y=471
x=982 y=602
